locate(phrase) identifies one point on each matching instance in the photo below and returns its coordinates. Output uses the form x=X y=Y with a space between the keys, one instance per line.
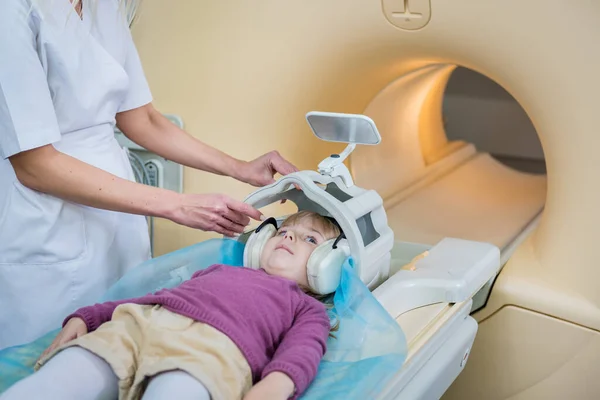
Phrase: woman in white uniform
x=71 y=216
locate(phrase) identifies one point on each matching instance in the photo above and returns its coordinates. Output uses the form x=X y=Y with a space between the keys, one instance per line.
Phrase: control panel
x=150 y=168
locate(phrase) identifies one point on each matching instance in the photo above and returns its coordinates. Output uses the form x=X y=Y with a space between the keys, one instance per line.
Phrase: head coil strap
x=266 y=222
x=337 y=240
x=341 y=235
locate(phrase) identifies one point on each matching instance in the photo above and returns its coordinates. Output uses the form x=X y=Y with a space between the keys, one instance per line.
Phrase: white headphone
x=324 y=268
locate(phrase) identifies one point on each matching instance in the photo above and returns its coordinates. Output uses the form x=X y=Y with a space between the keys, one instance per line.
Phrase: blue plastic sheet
x=367 y=350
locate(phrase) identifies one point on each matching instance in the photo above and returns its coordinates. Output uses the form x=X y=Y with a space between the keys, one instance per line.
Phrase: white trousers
x=76 y=373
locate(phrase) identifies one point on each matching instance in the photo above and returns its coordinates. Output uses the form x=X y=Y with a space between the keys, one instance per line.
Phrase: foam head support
x=324 y=267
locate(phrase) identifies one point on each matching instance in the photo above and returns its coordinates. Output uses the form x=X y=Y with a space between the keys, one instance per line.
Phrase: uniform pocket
x=35 y=299
x=127 y=165
x=37 y=228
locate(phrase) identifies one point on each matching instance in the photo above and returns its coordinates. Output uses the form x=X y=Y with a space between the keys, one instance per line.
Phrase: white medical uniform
x=62 y=81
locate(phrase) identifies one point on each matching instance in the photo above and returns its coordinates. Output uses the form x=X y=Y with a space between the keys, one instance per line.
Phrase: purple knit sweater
x=276 y=325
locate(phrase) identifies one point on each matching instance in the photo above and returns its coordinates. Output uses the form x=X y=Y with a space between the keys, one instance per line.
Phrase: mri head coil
x=359 y=212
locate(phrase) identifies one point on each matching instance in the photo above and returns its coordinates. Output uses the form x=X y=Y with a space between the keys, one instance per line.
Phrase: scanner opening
x=479 y=111
x=437 y=183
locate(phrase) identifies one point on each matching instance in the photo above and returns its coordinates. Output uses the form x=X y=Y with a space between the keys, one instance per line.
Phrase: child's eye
x=311 y=239
x=281 y=232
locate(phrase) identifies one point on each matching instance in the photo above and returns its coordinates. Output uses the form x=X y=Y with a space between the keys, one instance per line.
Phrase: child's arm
x=276 y=385
x=298 y=355
x=97 y=314
x=73 y=329
x=81 y=322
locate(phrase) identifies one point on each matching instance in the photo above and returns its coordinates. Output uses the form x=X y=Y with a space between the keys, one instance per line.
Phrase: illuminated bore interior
x=434 y=187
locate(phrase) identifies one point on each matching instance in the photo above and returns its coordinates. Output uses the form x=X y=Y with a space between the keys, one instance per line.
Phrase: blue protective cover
x=368 y=349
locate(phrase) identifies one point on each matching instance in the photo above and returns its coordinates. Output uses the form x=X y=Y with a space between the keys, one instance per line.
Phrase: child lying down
x=227 y=333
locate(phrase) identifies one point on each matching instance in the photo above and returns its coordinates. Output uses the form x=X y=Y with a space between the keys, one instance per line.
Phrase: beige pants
x=142 y=341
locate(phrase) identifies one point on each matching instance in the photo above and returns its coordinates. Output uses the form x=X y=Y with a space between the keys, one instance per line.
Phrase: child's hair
x=330 y=230
x=325 y=225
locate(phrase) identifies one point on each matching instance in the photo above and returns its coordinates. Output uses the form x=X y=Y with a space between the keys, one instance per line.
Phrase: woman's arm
x=47 y=170
x=153 y=131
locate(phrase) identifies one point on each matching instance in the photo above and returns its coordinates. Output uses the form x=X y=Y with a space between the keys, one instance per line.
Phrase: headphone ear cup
x=324 y=268
x=255 y=244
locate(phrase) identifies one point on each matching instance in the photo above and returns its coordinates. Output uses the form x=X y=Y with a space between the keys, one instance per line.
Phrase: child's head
x=286 y=254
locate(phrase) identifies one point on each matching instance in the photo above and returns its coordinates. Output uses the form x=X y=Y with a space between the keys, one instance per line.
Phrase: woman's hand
x=260 y=172
x=275 y=386
x=74 y=328
x=214 y=212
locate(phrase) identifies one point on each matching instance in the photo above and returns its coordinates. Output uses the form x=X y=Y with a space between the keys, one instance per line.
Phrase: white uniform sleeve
x=138 y=93
x=27 y=117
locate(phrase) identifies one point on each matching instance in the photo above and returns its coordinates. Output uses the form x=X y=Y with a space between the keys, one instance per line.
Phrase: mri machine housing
x=538 y=326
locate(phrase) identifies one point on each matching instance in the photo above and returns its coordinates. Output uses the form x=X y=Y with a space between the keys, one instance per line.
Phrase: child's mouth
x=284 y=247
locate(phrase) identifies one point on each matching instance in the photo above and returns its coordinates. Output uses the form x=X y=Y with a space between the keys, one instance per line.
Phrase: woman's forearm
x=153 y=131
x=49 y=171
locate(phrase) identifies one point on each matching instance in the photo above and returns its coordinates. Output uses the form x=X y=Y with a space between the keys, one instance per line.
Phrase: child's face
x=287 y=253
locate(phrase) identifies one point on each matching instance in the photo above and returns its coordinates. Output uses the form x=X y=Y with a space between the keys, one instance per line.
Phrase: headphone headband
x=341 y=236
x=270 y=220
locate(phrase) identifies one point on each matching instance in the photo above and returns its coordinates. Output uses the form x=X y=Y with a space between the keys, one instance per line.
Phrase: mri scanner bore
x=477 y=110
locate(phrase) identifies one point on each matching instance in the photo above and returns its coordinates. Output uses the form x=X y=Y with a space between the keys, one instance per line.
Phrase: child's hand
x=274 y=386
x=74 y=328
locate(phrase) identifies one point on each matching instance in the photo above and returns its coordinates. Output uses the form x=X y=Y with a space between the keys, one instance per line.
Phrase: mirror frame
x=341 y=117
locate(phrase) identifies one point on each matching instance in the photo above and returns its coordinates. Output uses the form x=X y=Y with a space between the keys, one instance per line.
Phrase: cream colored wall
x=190 y=58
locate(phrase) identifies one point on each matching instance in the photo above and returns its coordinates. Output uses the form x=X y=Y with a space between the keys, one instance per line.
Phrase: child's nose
x=289 y=235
